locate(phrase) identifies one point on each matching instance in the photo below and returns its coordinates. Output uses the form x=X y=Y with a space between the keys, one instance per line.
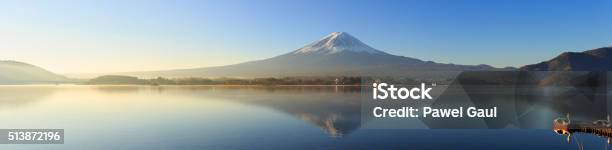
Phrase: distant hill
x=578 y=69
x=337 y=54
x=13 y=72
x=599 y=59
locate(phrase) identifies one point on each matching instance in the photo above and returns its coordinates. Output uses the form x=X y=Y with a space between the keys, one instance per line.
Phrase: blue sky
x=108 y=36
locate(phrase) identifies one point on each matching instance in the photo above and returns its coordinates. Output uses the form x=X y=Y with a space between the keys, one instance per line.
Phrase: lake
x=235 y=117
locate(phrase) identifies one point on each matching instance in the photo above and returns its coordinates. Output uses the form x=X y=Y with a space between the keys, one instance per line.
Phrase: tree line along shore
x=326 y=80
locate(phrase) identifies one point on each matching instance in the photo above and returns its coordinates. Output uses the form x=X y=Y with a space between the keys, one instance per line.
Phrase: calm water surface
x=209 y=117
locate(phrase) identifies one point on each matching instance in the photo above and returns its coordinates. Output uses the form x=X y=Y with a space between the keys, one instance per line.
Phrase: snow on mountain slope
x=337 y=42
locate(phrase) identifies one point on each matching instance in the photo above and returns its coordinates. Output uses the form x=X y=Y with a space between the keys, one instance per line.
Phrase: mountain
x=585 y=71
x=599 y=59
x=13 y=72
x=337 y=54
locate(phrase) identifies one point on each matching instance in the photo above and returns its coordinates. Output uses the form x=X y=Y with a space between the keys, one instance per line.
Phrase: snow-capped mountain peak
x=337 y=42
x=337 y=54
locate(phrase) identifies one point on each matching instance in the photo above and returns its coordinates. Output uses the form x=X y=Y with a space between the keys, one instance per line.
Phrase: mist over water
x=235 y=117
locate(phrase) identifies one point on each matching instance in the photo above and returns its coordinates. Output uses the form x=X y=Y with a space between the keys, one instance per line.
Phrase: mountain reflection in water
x=12 y=97
x=335 y=109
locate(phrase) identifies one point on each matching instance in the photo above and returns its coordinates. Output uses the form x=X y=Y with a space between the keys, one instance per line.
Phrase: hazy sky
x=124 y=35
